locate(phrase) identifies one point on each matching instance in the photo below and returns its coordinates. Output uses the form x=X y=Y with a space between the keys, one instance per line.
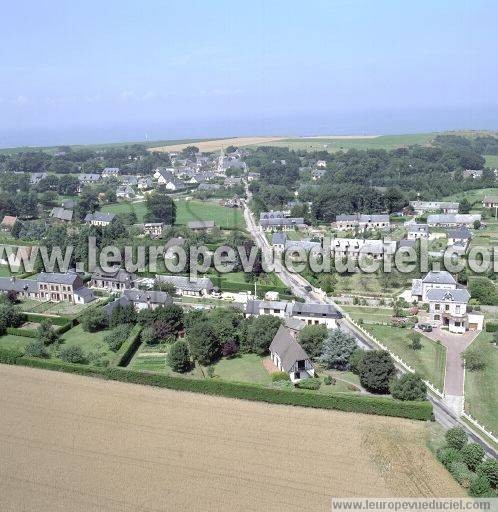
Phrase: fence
x=483 y=429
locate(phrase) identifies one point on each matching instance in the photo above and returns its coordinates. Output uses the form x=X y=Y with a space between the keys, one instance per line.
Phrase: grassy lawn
x=369 y=314
x=127 y=207
x=481 y=388
x=491 y=161
x=89 y=341
x=52 y=308
x=429 y=361
x=191 y=210
x=10 y=342
x=472 y=196
x=242 y=368
x=332 y=144
x=4 y=271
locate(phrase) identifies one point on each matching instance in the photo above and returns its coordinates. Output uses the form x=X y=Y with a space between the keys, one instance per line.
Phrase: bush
x=377 y=370
x=449 y=455
x=9 y=356
x=416 y=340
x=47 y=334
x=474 y=358
x=73 y=354
x=409 y=386
x=481 y=488
x=461 y=473
x=456 y=437
x=179 y=357
x=337 y=350
x=356 y=360
x=313 y=384
x=279 y=376
x=472 y=455
x=128 y=348
x=327 y=380
x=489 y=469
x=117 y=336
x=36 y=348
x=94 y=320
x=491 y=326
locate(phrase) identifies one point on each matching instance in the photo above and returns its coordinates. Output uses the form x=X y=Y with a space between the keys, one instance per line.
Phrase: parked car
x=425 y=327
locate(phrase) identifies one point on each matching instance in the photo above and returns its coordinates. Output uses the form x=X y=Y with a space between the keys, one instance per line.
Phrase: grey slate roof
x=57 y=278
x=148 y=297
x=100 y=217
x=287 y=348
x=18 y=285
x=363 y=218
x=201 y=224
x=460 y=295
x=282 y=221
x=61 y=214
x=119 y=276
x=68 y=204
x=84 y=178
x=439 y=277
x=460 y=233
x=418 y=228
x=315 y=309
x=279 y=238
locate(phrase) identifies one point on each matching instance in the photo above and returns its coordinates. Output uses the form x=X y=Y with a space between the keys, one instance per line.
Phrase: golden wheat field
x=217 y=144
x=70 y=443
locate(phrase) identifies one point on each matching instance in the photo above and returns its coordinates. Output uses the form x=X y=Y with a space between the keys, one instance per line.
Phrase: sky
x=105 y=71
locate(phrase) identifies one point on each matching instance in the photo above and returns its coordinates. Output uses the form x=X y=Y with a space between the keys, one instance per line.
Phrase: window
x=297 y=375
x=457 y=309
x=437 y=307
x=301 y=365
x=447 y=307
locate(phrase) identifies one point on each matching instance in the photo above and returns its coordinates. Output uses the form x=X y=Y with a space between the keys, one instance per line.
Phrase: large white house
x=361 y=222
x=421 y=207
x=356 y=247
x=453 y=220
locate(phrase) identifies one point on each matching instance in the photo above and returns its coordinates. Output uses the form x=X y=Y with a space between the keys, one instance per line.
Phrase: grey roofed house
x=129 y=179
x=185 y=284
x=62 y=214
x=462 y=233
x=294 y=323
x=119 y=302
x=453 y=218
x=124 y=191
x=439 y=277
x=89 y=178
x=68 y=204
x=417 y=288
x=27 y=286
x=58 y=277
x=460 y=295
x=85 y=294
x=407 y=243
x=279 y=238
x=99 y=217
x=282 y=221
x=232 y=181
x=271 y=215
x=363 y=218
x=306 y=245
x=209 y=186
x=418 y=228
x=315 y=310
x=201 y=224
x=119 y=276
x=110 y=171
x=287 y=348
x=148 y=297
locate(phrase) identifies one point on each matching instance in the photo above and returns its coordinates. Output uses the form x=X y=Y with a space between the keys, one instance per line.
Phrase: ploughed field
x=71 y=443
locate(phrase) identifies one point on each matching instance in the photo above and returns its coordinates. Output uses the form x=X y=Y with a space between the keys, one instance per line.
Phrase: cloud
x=21 y=100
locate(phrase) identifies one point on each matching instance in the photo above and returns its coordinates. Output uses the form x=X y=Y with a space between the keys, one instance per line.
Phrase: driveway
x=455 y=344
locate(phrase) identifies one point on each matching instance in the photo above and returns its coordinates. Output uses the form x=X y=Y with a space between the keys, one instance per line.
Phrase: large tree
x=161 y=208
x=376 y=371
x=337 y=350
x=311 y=338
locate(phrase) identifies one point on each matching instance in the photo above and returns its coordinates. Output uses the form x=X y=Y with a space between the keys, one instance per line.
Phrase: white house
x=490 y=202
x=421 y=207
x=453 y=220
x=185 y=286
x=416 y=231
x=356 y=247
x=99 y=219
x=361 y=222
x=459 y=237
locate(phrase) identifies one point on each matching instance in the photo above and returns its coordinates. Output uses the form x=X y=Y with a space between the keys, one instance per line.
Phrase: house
x=233 y=181
x=99 y=218
x=284 y=223
x=459 y=237
x=309 y=313
x=442 y=280
x=421 y=207
x=112 y=281
x=8 y=223
x=490 y=202
x=125 y=192
x=209 y=187
x=416 y=231
x=67 y=287
x=201 y=225
x=289 y=356
x=453 y=220
x=68 y=204
x=145 y=183
x=85 y=179
x=140 y=300
x=36 y=177
x=252 y=176
x=273 y=215
x=152 y=229
x=110 y=172
x=163 y=171
x=362 y=222
x=278 y=240
x=61 y=214
x=129 y=179
x=317 y=174
x=166 y=178
x=472 y=173
x=321 y=164
x=301 y=245
x=185 y=286
x=356 y=247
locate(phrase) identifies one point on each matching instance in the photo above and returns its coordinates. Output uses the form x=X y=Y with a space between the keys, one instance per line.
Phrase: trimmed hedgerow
x=19 y=331
x=9 y=356
x=54 y=320
x=128 y=348
x=491 y=326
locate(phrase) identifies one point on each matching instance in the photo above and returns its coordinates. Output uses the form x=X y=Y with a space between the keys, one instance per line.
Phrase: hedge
x=54 y=320
x=342 y=402
x=491 y=326
x=18 y=331
x=128 y=348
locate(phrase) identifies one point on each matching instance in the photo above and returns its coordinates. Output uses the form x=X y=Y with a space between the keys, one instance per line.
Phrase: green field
x=369 y=314
x=491 y=161
x=127 y=207
x=429 y=361
x=472 y=196
x=336 y=144
x=192 y=210
x=11 y=342
x=481 y=388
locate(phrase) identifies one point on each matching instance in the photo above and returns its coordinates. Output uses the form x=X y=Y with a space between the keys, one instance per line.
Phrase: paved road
x=442 y=413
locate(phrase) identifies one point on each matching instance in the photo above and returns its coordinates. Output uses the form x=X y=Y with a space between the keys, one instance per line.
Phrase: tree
x=474 y=358
x=259 y=333
x=480 y=487
x=409 y=386
x=161 y=208
x=416 y=340
x=477 y=224
x=123 y=315
x=456 y=437
x=484 y=290
x=337 y=350
x=464 y=206
x=88 y=203
x=94 y=320
x=203 y=342
x=46 y=333
x=311 y=338
x=472 y=455
x=117 y=336
x=73 y=354
x=489 y=469
x=356 y=360
x=377 y=370
x=179 y=357
x=36 y=348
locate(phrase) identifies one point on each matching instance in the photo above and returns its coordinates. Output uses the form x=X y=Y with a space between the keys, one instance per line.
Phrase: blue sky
x=102 y=71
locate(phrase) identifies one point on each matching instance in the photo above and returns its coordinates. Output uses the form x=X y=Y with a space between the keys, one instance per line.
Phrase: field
x=491 y=161
x=79 y=444
x=127 y=207
x=217 y=144
x=429 y=361
x=52 y=308
x=11 y=342
x=473 y=196
x=481 y=388
x=337 y=143
x=192 y=210
x=369 y=314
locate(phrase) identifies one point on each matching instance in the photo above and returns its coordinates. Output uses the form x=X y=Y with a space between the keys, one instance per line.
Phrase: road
x=300 y=288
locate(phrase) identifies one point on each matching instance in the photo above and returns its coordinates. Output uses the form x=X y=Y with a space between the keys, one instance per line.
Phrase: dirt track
x=217 y=144
x=70 y=443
